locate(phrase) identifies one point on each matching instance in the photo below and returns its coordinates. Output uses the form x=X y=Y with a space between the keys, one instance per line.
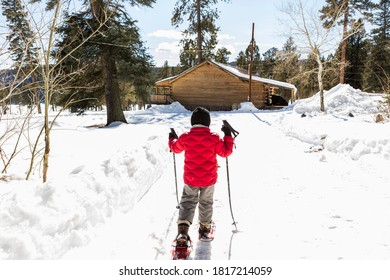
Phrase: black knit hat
x=200 y=116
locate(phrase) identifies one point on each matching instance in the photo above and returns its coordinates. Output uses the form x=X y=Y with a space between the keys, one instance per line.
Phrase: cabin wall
x=213 y=88
x=258 y=94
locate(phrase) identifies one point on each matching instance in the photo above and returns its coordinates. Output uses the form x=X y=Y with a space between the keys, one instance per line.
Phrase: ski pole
x=235 y=134
x=174 y=166
x=174 y=169
x=230 y=199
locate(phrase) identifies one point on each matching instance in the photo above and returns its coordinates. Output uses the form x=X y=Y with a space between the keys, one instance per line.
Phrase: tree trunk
x=97 y=8
x=319 y=76
x=344 y=43
x=199 y=29
x=111 y=87
x=37 y=98
x=47 y=87
x=47 y=146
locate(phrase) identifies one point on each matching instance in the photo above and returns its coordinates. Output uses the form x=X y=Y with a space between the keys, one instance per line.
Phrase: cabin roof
x=232 y=71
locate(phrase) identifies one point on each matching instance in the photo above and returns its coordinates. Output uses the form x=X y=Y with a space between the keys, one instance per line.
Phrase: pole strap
x=234 y=132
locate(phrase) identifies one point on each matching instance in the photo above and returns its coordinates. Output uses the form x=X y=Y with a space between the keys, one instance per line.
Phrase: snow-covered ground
x=314 y=187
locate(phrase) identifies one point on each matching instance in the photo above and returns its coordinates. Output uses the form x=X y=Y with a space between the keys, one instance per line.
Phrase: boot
x=183 y=228
x=204 y=231
x=182 y=238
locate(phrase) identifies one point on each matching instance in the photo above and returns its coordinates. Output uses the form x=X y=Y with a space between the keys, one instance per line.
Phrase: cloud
x=168 y=34
x=241 y=44
x=229 y=47
x=168 y=47
x=225 y=37
x=167 y=51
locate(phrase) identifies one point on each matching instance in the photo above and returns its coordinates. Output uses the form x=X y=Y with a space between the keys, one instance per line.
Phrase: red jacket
x=201 y=148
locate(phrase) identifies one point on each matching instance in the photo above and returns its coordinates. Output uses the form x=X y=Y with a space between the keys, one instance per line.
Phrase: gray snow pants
x=190 y=198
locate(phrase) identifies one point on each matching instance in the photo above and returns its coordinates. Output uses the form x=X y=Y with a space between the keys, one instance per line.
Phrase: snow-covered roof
x=236 y=72
x=167 y=79
x=242 y=75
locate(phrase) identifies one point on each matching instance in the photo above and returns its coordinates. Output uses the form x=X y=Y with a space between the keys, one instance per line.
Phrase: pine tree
x=331 y=71
x=88 y=83
x=114 y=61
x=268 y=63
x=188 y=54
x=165 y=71
x=308 y=79
x=357 y=53
x=243 y=59
x=377 y=71
x=22 y=46
x=287 y=65
x=222 y=55
x=256 y=57
x=335 y=10
x=103 y=11
x=201 y=18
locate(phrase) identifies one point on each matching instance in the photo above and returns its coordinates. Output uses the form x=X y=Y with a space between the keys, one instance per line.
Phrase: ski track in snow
x=298 y=191
x=312 y=209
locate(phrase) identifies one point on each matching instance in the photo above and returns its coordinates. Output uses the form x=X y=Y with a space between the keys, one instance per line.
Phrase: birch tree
x=311 y=38
x=53 y=81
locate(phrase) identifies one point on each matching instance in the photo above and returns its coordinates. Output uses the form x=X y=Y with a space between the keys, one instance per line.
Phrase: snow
x=240 y=74
x=314 y=187
x=341 y=100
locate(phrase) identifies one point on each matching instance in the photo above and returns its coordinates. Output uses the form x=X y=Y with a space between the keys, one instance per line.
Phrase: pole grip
x=174 y=133
x=234 y=132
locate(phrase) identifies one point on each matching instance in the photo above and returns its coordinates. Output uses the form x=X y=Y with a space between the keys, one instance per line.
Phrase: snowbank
x=340 y=100
x=45 y=221
x=334 y=130
x=247 y=107
x=175 y=107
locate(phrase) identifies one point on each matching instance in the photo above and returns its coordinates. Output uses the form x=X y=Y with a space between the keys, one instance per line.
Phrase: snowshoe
x=207 y=234
x=181 y=247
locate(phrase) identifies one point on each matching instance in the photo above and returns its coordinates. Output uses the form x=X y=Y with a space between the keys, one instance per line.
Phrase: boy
x=201 y=147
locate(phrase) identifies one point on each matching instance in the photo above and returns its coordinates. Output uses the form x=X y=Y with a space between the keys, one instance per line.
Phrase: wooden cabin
x=217 y=86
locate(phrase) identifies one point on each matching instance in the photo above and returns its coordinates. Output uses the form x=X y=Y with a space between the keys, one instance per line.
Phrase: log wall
x=213 y=88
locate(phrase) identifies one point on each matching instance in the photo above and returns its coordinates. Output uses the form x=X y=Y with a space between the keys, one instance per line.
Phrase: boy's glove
x=226 y=130
x=172 y=135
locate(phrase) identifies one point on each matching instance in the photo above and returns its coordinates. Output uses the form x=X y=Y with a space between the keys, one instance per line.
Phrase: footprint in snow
x=77 y=170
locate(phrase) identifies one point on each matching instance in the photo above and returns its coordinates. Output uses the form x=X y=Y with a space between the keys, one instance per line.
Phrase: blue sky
x=235 y=24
